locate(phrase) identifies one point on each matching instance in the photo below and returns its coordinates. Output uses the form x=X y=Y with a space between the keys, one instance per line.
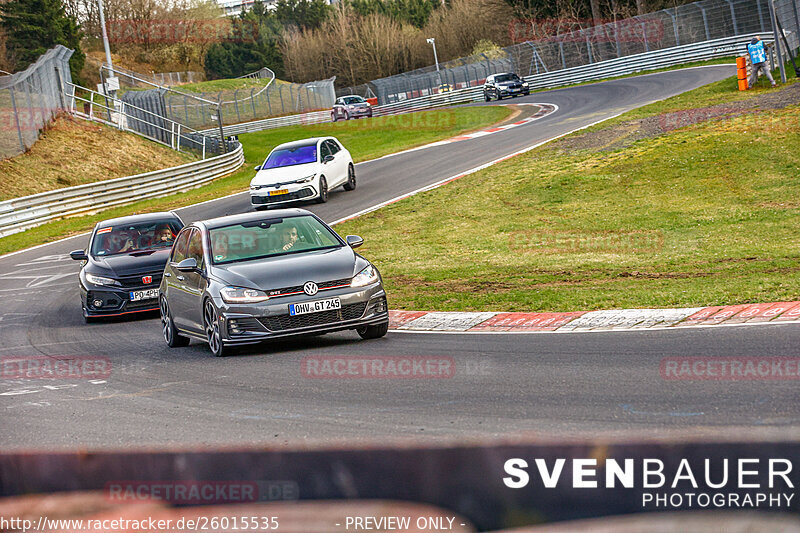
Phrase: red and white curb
x=611 y=320
x=544 y=110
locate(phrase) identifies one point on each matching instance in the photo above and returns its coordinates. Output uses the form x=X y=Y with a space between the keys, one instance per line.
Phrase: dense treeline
x=301 y=40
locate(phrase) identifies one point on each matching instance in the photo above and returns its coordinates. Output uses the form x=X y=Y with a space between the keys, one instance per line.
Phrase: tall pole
x=773 y=18
x=432 y=41
x=105 y=36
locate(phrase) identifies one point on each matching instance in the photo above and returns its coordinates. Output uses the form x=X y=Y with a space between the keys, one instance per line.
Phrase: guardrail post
x=204 y=146
x=589 y=49
x=253 y=102
x=179 y=138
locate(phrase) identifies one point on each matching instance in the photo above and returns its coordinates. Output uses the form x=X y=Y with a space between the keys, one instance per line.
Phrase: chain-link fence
x=30 y=99
x=686 y=24
x=242 y=105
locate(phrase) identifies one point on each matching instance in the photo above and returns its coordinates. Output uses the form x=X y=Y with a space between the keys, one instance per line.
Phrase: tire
x=373 y=332
x=171 y=336
x=323 y=190
x=350 y=184
x=499 y=96
x=213 y=334
x=486 y=97
x=346 y=115
x=333 y=117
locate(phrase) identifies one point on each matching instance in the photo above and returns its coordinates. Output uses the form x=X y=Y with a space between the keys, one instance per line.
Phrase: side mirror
x=354 y=241
x=187 y=265
x=257 y=168
x=327 y=159
x=79 y=255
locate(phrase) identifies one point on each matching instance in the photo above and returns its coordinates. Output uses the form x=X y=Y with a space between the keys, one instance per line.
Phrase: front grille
x=285 y=322
x=299 y=288
x=297 y=195
x=135 y=282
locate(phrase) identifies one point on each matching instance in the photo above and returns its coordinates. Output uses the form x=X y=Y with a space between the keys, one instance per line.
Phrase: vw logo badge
x=147 y=279
x=310 y=288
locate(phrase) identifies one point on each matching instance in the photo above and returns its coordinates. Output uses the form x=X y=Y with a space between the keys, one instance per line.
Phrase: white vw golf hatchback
x=302 y=170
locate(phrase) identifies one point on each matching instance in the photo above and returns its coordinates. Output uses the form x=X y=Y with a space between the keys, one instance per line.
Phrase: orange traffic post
x=741 y=72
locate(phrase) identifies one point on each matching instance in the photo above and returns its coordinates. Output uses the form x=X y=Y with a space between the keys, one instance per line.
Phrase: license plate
x=315 y=307
x=278 y=192
x=149 y=294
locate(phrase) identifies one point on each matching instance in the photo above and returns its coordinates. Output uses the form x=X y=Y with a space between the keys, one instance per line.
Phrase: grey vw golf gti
x=246 y=278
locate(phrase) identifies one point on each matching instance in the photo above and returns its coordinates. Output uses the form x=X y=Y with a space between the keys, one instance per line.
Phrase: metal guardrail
x=631 y=64
x=19 y=214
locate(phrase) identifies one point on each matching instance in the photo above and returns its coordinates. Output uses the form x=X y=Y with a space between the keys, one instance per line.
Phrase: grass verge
x=105 y=153
x=703 y=215
x=366 y=139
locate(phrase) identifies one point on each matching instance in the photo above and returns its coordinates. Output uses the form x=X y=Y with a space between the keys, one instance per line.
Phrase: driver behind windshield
x=164 y=235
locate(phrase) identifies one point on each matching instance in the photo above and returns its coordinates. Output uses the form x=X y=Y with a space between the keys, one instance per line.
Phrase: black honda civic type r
x=124 y=263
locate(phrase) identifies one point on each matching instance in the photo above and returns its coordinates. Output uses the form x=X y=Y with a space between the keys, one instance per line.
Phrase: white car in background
x=302 y=170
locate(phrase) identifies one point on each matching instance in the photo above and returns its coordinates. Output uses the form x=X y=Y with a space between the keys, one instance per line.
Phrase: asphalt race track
x=503 y=384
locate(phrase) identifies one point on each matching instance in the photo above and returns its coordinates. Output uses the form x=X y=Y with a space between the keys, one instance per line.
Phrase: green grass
x=704 y=215
x=365 y=138
x=371 y=138
x=720 y=92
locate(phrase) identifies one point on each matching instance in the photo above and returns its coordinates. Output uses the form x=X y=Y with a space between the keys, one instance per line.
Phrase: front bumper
x=114 y=301
x=246 y=324
x=296 y=193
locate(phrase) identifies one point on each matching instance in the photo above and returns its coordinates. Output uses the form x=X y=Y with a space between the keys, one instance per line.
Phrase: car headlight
x=100 y=280
x=306 y=179
x=525 y=84
x=255 y=187
x=365 y=277
x=242 y=295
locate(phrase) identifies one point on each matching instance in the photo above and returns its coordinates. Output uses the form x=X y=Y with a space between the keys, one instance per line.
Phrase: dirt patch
x=623 y=135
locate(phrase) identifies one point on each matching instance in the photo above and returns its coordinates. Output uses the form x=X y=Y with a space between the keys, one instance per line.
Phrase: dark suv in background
x=350 y=106
x=498 y=86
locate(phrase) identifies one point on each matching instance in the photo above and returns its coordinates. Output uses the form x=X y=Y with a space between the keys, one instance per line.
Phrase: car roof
x=137 y=219
x=230 y=220
x=301 y=142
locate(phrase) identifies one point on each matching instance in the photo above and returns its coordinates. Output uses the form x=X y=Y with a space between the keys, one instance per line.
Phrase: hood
x=273 y=176
x=510 y=83
x=293 y=269
x=128 y=265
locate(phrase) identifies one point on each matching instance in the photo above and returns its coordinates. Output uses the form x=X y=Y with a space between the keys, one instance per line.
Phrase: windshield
x=287 y=157
x=270 y=237
x=352 y=100
x=137 y=237
x=506 y=77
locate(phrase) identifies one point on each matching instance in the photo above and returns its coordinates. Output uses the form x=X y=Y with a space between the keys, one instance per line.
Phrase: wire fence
x=30 y=99
x=243 y=105
x=690 y=23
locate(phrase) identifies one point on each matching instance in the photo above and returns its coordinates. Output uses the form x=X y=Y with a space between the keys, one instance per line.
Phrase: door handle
x=181 y=278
